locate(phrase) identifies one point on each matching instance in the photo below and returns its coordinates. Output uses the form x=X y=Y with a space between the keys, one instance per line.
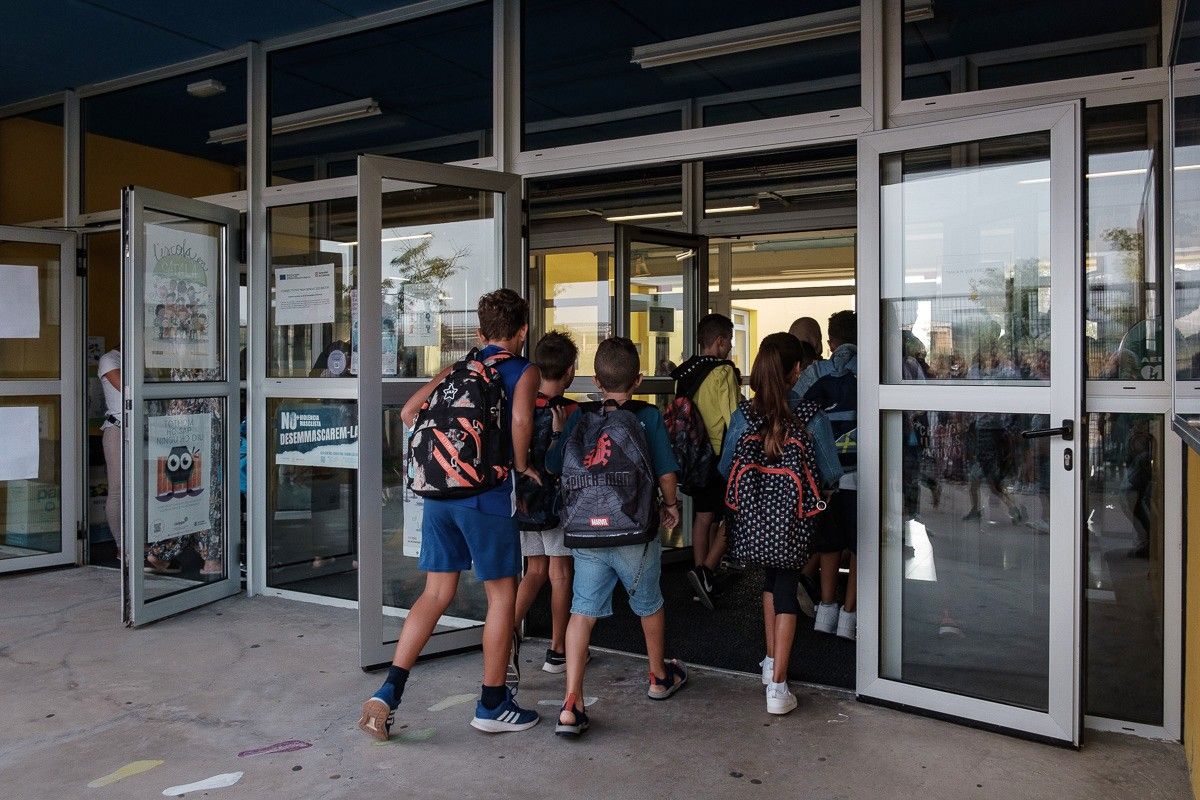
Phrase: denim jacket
x=818 y=426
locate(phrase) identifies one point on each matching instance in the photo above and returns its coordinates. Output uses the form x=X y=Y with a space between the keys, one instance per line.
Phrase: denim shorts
x=597 y=570
x=454 y=537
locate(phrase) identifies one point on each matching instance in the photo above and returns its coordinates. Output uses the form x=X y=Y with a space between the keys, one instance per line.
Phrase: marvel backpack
x=457 y=449
x=538 y=505
x=774 y=503
x=608 y=481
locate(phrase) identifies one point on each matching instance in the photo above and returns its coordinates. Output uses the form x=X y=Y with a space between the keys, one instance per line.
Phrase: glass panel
x=403 y=581
x=441 y=251
x=656 y=299
x=184 y=481
x=183 y=302
x=679 y=64
x=953 y=46
x=1123 y=325
x=30 y=477
x=966 y=261
x=964 y=600
x=817 y=181
x=30 y=317
x=1124 y=518
x=1187 y=238
x=31 y=167
x=334 y=99
x=588 y=205
x=576 y=288
x=185 y=135
x=311 y=339
x=312 y=516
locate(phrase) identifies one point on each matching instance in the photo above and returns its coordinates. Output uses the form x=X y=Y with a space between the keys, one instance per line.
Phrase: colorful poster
x=178 y=451
x=316 y=435
x=20 y=312
x=304 y=294
x=181 y=303
x=421 y=322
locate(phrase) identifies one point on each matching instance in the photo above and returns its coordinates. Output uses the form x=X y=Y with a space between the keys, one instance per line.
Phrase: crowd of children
x=511 y=471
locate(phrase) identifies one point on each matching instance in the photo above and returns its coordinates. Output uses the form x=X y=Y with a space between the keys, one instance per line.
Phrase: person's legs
x=111 y=440
x=537 y=569
x=440 y=588
x=702 y=525
x=830 y=562
x=497 y=628
x=785 y=608
x=578 y=637
x=850 y=604
x=716 y=545
x=592 y=590
x=654 y=629
x=560 y=600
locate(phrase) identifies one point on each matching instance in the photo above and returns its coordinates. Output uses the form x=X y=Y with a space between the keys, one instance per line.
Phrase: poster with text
x=421 y=318
x=178 y=452
x=181 y=304
x=315 y=435
x=304 y=294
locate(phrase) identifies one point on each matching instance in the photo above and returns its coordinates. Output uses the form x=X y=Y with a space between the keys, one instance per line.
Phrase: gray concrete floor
x=83 y=697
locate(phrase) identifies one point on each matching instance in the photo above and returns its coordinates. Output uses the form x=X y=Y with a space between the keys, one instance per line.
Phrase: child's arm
x=670 y=499
x=409 y=413
x=554 y=456
x=523 y=402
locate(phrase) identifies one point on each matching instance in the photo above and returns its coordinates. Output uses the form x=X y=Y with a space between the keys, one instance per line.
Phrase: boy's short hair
x=843 y=327
x=555 y=354
x=617 y=364
x=712 y=327
x=501 y=314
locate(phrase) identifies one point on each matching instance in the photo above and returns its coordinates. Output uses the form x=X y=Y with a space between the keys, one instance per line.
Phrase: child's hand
x=669 y=516
x=558 y=418
x=532 y=474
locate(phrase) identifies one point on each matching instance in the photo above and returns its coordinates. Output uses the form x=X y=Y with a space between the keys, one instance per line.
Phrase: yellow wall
x=1191 y=635
x=31 y=173
x=110 y=164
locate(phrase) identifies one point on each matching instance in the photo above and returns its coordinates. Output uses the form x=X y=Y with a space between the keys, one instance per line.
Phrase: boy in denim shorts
x=636 y=565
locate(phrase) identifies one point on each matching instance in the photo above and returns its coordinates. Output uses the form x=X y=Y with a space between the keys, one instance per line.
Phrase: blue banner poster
x=317 y=435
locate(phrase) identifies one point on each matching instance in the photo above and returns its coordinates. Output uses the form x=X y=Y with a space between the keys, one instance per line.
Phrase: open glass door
x=433 y=238
x=662 y=291
x=970 y=390
x=39 y=399
x=179 y=322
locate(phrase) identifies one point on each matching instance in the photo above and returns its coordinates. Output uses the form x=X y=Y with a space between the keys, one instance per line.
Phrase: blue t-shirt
x=501 y=499
x=661 y=455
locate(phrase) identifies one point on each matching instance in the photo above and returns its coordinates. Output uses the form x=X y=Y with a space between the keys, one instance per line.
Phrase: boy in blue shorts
x=623 y=455
x=478 y=530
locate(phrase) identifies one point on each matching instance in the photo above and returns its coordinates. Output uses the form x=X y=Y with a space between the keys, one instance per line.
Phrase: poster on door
x=421 y=316
x=179 y=453
x=181 y=309
x=317 y=435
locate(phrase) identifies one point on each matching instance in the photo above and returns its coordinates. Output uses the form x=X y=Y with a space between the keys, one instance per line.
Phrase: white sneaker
x=847 y=625
x=768 y=670
x=827 y=618
x=779 y=699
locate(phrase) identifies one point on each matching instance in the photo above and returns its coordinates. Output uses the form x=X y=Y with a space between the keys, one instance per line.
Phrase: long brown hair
x=777 y=355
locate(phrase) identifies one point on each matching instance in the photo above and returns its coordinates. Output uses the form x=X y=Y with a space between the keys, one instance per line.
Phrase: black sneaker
x=701 y=582
x=512 y=677
x=556 y=663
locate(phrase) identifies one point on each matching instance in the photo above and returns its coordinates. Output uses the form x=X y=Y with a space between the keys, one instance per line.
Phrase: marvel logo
x=598 y=522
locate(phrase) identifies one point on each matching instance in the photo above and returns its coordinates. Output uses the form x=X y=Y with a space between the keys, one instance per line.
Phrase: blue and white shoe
x=506 y=717
x=377 y=717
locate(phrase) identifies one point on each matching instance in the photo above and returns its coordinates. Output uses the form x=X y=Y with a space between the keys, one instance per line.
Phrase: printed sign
x=20 y=312
x=315 y=435
x=662 y=319
x=178 y=452
x=304 y=295
x=420 y=317
x=181 y=320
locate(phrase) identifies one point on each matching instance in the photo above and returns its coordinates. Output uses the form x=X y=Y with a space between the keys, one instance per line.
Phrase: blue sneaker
x=508 y=716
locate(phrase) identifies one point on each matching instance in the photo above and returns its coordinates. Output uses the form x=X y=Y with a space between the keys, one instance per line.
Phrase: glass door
x=662 y=291
x=180 y=425
x=970 y=361
x=433 y=238
x=39 y=405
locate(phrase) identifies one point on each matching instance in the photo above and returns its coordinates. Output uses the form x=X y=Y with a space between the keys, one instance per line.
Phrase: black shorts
x=711 y=500
x=837 y=528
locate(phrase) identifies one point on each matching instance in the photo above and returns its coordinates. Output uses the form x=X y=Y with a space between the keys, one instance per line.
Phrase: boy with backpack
x=611 y=455
x=539 y=504
x=833 y=385
x=471 y=430
x=707 y=390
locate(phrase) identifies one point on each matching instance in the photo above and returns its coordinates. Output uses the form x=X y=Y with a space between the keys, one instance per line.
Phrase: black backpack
x=457 y=447
x=608 y=481
x=538 y=506
x=774 y=503
x=685 y=425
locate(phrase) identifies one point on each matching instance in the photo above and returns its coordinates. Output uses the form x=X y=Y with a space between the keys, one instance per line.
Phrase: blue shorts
x=597 y=570
x=453 y=537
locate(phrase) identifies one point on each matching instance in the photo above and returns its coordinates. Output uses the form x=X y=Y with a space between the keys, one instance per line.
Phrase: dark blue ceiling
x=50 y=45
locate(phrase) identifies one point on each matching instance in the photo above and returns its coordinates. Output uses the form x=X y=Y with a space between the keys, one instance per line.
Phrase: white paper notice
x=304 y=295
x=20 y=313
x=19 y=456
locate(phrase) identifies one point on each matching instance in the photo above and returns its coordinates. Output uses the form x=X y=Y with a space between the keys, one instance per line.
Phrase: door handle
x=1066 y=431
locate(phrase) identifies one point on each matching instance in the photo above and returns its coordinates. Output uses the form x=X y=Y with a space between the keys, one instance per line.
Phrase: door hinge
x=81 y=262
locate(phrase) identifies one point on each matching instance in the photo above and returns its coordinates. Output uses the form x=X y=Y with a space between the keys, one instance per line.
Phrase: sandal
x=571 y=729
x=662 y=688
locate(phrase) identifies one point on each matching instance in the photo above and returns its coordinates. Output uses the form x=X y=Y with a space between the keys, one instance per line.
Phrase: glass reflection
x=656 y=304
x=575 y=289
x=1187 y=236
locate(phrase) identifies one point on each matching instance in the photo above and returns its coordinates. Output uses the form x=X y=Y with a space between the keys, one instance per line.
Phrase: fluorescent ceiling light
x=1116 y=173
x=302 y=120
x=731 y=209
x=209 y=87
x=647 y=215
x=395 y=239
x=685 y=255
x=769 y=34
